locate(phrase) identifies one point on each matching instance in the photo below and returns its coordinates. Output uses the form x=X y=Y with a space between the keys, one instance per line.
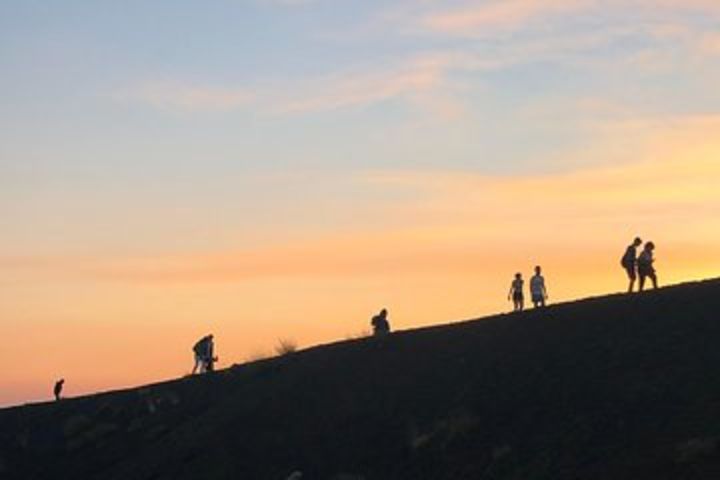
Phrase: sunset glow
x=270 y=169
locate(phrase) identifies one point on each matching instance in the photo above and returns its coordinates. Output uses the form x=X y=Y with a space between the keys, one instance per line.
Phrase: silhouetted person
x=203 y=350
x=516 y=293
x=645 y=266
x=538 y=293
x=57 y=390
x=380 y=323
x=629 y=262
x=210 y=357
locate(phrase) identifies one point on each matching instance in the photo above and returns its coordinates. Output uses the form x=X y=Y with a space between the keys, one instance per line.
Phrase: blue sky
x=109 y=108
x=256 y=85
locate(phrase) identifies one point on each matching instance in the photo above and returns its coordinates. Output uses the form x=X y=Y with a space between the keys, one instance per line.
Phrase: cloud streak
x=432 y=80
x=187 y=97
x=463 y=222
x=418 y=81
x=498 y=15
x=486 y=18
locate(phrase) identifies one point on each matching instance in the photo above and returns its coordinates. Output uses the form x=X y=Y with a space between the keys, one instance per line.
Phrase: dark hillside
x=620 y=387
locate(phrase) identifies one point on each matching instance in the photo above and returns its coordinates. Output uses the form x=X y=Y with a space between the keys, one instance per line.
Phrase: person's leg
x=631 y=275
x=198 y=363
x=653 y=277
x=641 y=286
x=203 y=365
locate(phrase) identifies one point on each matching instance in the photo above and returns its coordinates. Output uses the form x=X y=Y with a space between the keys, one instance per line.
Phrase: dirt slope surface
x=619 y=387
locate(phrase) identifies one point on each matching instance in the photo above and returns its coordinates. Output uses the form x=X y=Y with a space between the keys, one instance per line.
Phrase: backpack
x=200 y=347
x=627 y=260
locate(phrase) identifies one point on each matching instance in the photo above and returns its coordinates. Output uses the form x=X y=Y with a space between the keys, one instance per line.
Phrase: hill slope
x=620 y=387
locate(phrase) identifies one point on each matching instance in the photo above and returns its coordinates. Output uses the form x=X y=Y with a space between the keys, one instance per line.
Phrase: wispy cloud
x=464 y=221
x=478 y=19
x=427 y=77
x=486 y=18
x=710 y=43
x=418 y=81
x=287 y=3
x=669 y=162
x=190 y=97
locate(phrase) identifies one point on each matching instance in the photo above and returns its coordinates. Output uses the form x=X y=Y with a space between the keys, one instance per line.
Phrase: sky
x=283 y=169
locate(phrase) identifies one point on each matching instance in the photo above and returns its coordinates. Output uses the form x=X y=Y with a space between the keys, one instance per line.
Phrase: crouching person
x=204 y=355
x=380 y=324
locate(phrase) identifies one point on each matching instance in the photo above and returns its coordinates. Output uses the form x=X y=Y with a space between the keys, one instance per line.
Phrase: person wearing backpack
x=203 y=350
x=645 y=266
x=629 y=262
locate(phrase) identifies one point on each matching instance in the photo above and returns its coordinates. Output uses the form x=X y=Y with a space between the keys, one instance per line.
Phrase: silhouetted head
x=538 y=270
x=383 y=312
x=637 y=242
x=518 y=275
x=61 y=381
x=650 y=246
x=210 y=337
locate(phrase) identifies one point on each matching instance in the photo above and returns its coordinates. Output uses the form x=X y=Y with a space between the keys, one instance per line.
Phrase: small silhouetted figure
x=380 y=323
x=210 y=358
x=516 y=293
x=57 y=390
x=629 y=262
x=645 y=266
x=537 y=288
x=203 y=350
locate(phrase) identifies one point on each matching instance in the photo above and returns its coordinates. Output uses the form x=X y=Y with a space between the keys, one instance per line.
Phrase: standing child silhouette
x=516 y=293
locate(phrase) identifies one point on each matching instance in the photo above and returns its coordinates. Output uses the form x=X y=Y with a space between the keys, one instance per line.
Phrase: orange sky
x=111 y=321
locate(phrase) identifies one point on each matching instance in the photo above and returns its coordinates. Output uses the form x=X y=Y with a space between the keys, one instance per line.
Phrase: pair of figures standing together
x=639 y=266
x=538 y=292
